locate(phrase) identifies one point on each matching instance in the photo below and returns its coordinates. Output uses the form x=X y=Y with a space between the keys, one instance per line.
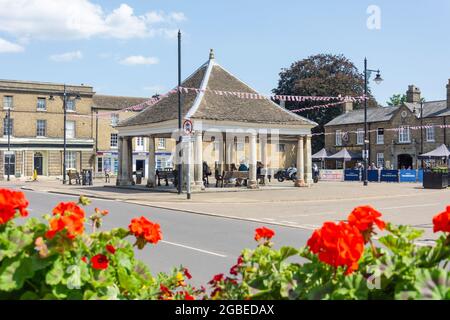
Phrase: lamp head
x=51 y=98
x=78 y=97
x=378 y=78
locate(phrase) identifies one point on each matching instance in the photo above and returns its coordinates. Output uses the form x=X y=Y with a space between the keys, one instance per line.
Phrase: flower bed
x=59 y=260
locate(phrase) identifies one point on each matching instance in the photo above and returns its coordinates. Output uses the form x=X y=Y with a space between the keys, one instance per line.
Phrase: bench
x=74 y=176
x=239 y=176
x=166 y=175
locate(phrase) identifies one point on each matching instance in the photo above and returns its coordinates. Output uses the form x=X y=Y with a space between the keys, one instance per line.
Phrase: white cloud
x=80 y=19
x=139 y=60
x=9 y=47
x=68 y=56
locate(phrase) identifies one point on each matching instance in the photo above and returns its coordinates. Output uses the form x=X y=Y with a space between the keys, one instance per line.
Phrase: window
x=140 y=143
x=7 y=102
x=114 y=119
x=281 y=147
x=8 y=130
x=70 y=105
x=107 y=164
x=162 y=143
x=100 y=164
x=41 y=128
x=360 y=136
x=10 y=164
x=114 y=140
x=41 y=104
x=159 y=164
x=71 y=160
x=380 y=136
x=338 y=138
x=70 y=129
x=430 y=134
x=380 y=160
x=404 y=135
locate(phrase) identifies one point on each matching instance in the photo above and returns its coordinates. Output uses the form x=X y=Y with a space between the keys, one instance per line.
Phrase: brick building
x=36 y=128
x=392 y=148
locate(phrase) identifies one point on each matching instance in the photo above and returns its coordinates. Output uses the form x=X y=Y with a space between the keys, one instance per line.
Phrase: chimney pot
x=448 y=94
x=347 y=106
x=413 y=94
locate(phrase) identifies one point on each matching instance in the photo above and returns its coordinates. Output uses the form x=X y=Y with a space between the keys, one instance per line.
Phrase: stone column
x=198 y=158
x=151 y=171
x=300 y=182
x=263 y=150
x=252 y=182
x=124 y=176
x=308 y=161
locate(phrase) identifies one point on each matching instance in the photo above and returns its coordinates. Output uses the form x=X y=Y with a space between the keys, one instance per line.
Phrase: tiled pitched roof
x=430 y=109
x=115 y=102
x=210 y=106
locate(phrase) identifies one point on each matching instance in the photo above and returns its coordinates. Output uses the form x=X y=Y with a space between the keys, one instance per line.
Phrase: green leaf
x=14 y=272
x=56 y=274
x=287 y=252
x=433 y=284
x=29 y=295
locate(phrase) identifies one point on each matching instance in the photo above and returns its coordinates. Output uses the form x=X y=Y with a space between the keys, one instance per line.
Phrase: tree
x=321 y=75
x=396 y=100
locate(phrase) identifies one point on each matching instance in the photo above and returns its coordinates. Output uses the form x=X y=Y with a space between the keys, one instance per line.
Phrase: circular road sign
x=187 y=127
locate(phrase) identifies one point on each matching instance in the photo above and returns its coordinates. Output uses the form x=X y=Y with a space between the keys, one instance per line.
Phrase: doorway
x=140 y=165
x=405 y=161
x=39 y=163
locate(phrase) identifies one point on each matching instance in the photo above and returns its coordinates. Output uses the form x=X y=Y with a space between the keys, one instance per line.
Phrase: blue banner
x=408 y=176
x=389 y=176
x=351 y=175
x=372 y=175
x=420 y=175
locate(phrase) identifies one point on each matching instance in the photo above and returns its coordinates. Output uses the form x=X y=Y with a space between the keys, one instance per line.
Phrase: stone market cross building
x=227 y=129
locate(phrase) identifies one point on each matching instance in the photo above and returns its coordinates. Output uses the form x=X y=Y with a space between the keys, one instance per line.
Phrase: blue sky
x=128 y=47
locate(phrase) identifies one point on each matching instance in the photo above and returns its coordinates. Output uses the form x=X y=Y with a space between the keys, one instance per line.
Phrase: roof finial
x=211 y=54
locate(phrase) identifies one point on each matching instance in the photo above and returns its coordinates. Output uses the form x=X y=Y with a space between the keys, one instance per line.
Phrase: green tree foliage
x=321 y=75
x=396 y=100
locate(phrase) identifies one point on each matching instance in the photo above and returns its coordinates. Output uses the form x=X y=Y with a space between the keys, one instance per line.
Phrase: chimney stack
x=448 y=94
x=413 y=94
x=347 y=106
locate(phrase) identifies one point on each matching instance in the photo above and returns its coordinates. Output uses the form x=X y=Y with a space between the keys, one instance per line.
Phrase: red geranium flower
x=441 y=222
x=145 y=230
x=187 y=296
x=102 y=212
x=234 y=269
x=84 y=259
x=100 y=262
x=67 y=216
x=187 y=273
x=166 y=293
x=12 y=202
x=110 y=249
x=217 y=278
x=263 y=233
x=364 y=217
x=338 y=245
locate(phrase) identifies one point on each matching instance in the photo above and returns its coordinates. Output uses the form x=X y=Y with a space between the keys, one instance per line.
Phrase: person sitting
x=243 y=167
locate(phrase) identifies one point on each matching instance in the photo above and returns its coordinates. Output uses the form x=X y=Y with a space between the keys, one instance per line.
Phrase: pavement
x=278 y=204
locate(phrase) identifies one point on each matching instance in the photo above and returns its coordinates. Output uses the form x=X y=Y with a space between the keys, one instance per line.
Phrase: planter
x=435 y=180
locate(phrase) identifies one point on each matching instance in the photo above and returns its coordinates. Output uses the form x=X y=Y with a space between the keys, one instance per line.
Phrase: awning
x=346 y=155
x=440 y=152
x=321 y=155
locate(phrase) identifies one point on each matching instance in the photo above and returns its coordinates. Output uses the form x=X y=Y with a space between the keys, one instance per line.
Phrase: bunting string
x=441 y=126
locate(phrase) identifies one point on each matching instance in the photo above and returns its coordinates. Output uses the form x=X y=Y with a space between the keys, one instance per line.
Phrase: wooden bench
x=166 y=175
x=239 y=176
x=74 y=175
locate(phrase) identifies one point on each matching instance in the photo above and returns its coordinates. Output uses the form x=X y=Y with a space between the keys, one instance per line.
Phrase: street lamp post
x=378 y=80
x=9 y=140
x=66 y=97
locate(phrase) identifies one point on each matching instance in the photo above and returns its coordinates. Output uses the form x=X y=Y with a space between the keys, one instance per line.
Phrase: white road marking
x=413 y=206
x=195 y=249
